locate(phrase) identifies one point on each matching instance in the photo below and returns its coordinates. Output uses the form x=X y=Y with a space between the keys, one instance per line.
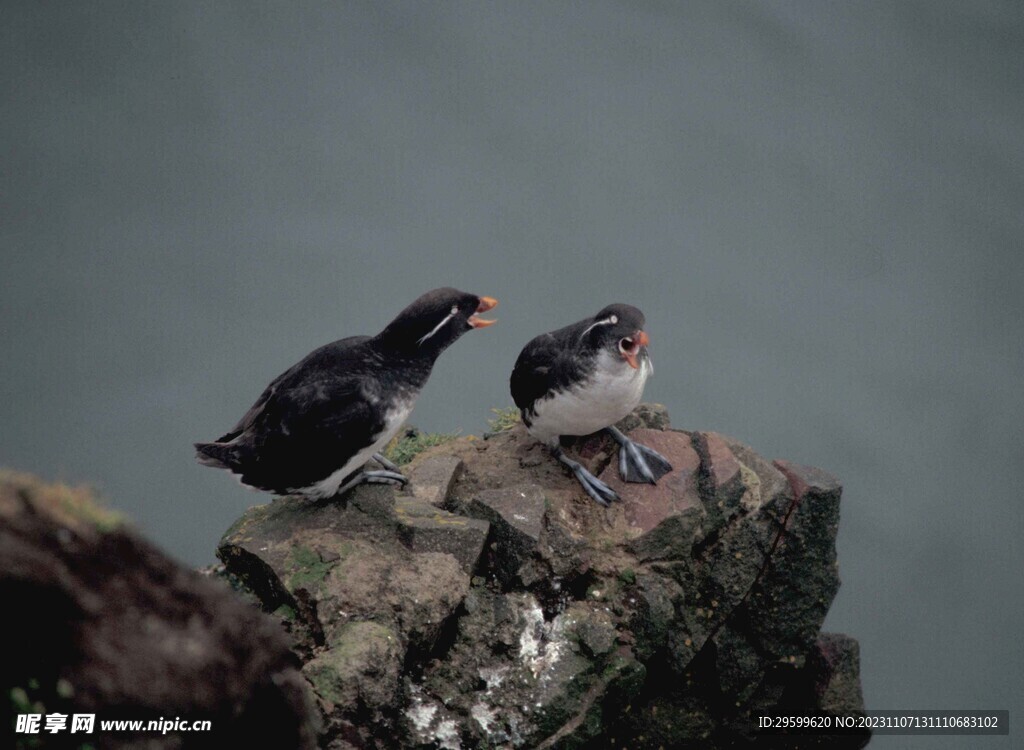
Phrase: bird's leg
x=384 y=477
x=638 y=463
x=387 y=464
x=593 y=486
x=372 y=477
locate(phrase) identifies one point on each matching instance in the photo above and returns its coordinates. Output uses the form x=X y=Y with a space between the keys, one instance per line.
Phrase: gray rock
x=834 y=664
x=657 y=600
x=422 y=527
x=360 y=669
x=673 y=618
x=799 y=581
x=721 y=480
x=543 y=686
x=740 y=666
x=767 y=488
x=370 y=583
x=432 y=477
x=652 y=416
x=667 y=518
x=516 y=515
x=105 y=623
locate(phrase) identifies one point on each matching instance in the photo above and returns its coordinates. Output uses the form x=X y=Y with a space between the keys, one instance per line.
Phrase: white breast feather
x=612 y=392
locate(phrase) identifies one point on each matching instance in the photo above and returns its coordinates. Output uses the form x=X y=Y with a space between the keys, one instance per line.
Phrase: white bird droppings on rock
x=540 y=643
x=447 y=735
x=483 y=715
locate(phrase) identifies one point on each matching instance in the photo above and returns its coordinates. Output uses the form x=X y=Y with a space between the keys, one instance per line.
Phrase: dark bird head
x=434 y=321
x=619 y=329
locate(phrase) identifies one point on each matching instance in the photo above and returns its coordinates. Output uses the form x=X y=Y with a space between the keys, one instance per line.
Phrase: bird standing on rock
x=584 y=378
x=315 y=427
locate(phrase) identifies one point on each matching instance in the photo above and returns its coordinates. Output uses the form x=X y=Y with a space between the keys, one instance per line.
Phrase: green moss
x=65 y=689
x=612 y=667
x=405 y=447
x=285 y=612
x=355 y=638
x=504 y=419
x=104 y=520
x=358 y=649
x=71 y=504
x=308 y=570
x=627 y=577
x=252 y=515
x=33 y=698
x=326 y=682
x=20 y=702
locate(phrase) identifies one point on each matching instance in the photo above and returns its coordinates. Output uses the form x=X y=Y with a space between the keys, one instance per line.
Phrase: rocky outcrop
x=493 y=605
x=99 y=621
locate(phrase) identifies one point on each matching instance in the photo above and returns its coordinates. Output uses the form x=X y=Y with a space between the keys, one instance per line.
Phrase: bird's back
x=308 y=419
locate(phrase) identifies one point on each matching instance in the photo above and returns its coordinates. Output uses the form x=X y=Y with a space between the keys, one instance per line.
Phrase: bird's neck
x=415 y=362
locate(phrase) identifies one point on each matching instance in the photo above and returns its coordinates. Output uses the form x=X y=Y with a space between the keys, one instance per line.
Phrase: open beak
x=486 y=303
x=640 y=339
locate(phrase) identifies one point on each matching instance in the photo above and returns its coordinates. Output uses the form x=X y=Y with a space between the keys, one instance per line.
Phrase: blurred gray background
x=819 y=206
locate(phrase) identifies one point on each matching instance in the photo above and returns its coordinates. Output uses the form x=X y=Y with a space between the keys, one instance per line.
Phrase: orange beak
x=486 y=303
x=641 y=339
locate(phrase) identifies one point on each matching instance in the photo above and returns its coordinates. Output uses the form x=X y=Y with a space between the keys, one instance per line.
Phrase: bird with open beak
x=584 y=378
x=317 y=425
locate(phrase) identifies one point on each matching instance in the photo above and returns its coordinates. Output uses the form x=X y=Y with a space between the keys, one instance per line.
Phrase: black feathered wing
x=291 y=377
x=307 y=423
x=547 y=364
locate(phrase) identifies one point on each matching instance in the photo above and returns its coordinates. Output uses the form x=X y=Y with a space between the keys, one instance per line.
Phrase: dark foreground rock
x=497 y=606
x=99 y=621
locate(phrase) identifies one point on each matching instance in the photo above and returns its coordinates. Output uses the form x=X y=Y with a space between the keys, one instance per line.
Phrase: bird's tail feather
x=217 y=455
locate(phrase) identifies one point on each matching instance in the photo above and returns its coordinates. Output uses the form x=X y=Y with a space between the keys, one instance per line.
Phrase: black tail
x=217 y=455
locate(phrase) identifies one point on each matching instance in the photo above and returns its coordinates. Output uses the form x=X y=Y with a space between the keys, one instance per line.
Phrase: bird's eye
x=614 y=319
x=628 y=346
x=455 y=309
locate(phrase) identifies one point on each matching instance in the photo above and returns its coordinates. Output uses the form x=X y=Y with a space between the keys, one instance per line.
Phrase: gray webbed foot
x=593 y=486
x=383 y=477
x=372 y=477
x=386 y=463
x=638 y=463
